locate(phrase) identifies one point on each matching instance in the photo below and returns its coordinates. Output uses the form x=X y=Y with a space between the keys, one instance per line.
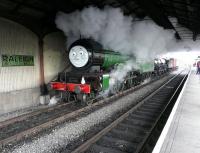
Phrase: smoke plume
x=116 y=31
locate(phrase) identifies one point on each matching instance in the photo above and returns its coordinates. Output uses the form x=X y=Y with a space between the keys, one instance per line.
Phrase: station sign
x=17 y=60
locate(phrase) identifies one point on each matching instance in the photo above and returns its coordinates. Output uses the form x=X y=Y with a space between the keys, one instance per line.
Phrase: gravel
x=69 y=132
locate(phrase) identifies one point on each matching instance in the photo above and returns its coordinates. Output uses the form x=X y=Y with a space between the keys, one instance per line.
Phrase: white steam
x=120 y=72
x=117 y=75
x=116 y=31
x=54 y=100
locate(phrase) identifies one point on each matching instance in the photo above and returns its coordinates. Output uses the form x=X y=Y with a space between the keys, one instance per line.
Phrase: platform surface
x=183 y=133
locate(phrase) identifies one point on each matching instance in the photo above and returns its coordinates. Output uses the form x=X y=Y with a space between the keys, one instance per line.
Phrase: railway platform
x=181 y=133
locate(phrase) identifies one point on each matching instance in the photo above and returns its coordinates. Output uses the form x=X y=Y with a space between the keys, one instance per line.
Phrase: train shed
x=35 y=51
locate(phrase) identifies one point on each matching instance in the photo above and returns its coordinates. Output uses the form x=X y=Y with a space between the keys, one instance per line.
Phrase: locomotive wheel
x=84 y=99
x=89 y=102
x=117 y=87
x=65 y=96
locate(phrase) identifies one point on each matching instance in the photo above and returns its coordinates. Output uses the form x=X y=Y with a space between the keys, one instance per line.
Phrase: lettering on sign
x=17 y=60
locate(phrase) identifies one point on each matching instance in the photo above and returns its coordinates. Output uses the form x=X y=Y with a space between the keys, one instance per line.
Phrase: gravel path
x=73 y=130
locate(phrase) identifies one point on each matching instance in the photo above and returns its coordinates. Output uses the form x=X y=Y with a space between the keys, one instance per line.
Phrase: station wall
x=17 y=40
x=55 y=56
x=19 y=85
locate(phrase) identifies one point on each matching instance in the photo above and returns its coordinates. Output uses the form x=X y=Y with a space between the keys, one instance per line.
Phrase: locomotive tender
x=91 y=69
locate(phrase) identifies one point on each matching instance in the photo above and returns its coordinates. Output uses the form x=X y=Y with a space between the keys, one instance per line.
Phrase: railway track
x=27 y=115
x=137 y=130
x=16 y=129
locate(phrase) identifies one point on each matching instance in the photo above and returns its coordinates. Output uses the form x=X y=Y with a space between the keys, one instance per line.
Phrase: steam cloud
x=115 y=31
x=143 y=39
x=118 y=74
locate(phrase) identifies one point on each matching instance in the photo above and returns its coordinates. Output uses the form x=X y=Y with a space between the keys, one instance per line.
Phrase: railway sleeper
x=161 y=95
x=100 y=149
x=127 y=136
x=154 y=103
x=140 y=114
x=149 y=106
x=117 y=144
x=138 y=124
x=145 y=113
x=142 y=109
x=154 y=106
x=127 y=128
x=161 y=105
x=143 y=117
x=132 y=127
x=139 y=118
x=157 y=101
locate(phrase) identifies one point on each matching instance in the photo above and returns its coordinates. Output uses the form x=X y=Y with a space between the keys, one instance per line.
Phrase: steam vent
x=99 y=76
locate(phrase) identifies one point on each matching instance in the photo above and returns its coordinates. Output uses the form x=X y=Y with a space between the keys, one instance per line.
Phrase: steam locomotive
x=92 y=67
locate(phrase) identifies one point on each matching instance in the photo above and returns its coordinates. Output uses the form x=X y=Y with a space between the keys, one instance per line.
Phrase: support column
x=43 y=87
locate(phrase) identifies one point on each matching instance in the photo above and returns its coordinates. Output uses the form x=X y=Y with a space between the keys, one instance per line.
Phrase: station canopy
x=39 y=15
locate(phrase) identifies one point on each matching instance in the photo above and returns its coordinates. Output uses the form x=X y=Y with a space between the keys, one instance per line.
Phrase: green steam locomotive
x=93 y=68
